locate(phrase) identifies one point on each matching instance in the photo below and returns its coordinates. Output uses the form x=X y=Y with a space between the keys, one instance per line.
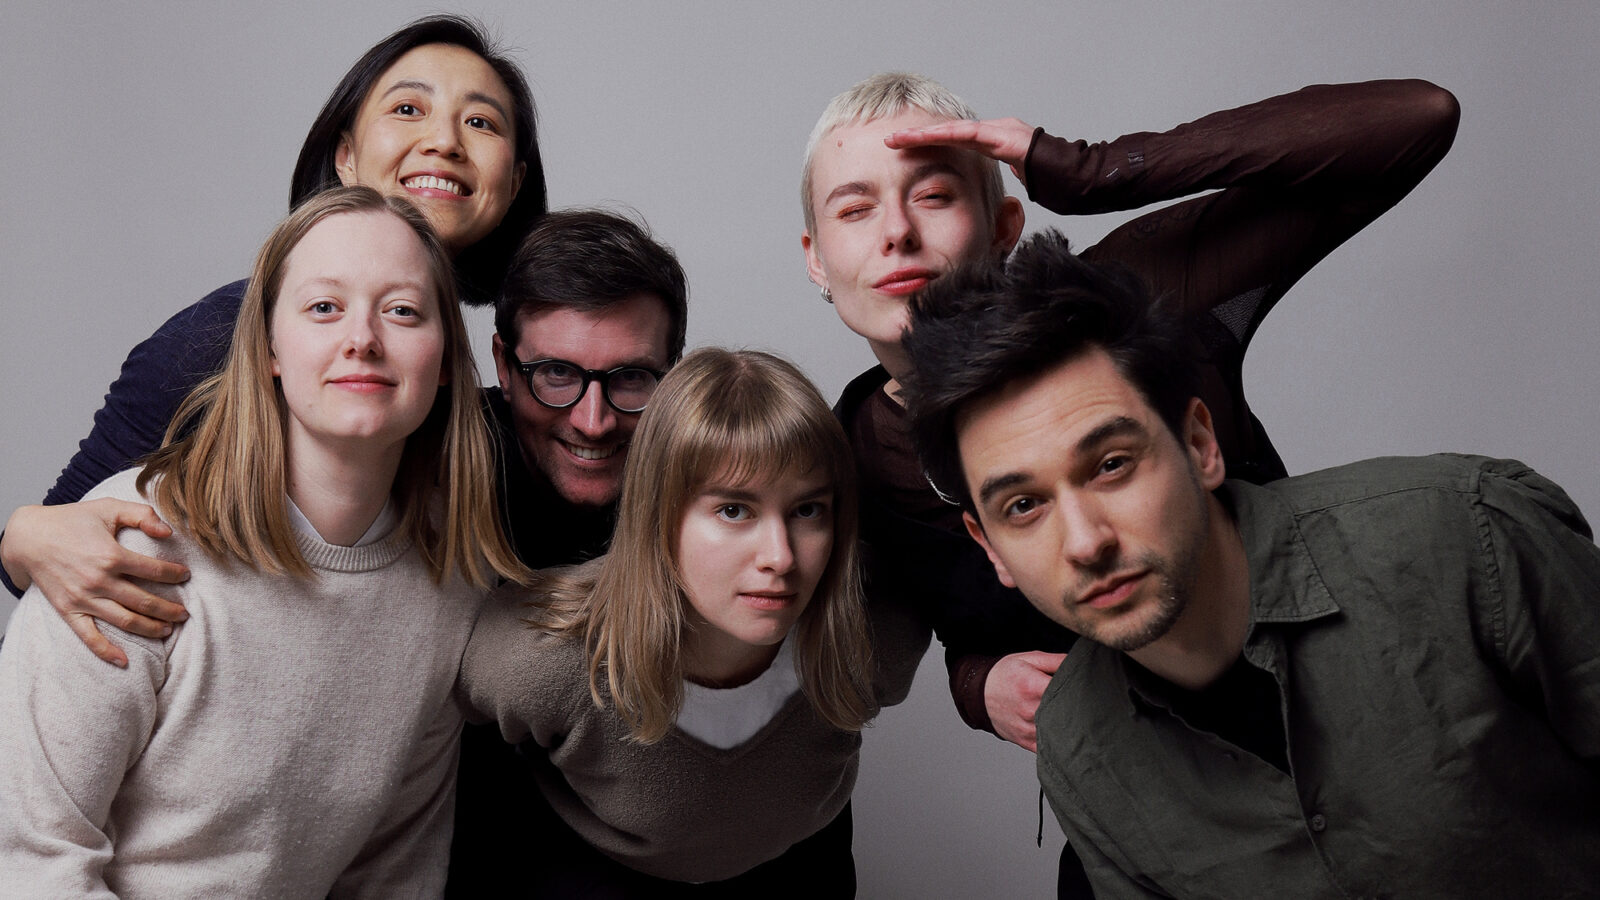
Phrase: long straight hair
x=221 y=476
x=747 y=416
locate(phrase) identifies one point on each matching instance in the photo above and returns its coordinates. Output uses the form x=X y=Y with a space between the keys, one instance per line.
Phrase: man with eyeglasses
x=592 y=314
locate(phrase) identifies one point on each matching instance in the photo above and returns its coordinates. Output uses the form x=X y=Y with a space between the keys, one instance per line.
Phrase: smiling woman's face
x=437 y=128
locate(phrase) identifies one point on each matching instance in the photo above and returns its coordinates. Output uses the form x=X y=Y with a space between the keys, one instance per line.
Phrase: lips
x=436 y=184
x=1110 y=592
x=592 y=454
x=363 y=383
x=905 y=281
x=769 y=600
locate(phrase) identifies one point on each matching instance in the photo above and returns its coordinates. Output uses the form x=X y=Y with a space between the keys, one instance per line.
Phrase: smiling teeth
x=433 y=182
x=591 y=452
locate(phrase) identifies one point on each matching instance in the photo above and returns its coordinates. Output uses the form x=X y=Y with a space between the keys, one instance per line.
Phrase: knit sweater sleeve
x=70 y=727
x=517 y=676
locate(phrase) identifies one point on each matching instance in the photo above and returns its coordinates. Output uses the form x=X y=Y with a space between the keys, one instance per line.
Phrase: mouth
x=363 y=382
x=1110 y=592
x=905 y=281
x=436 y=183
x=592 y=454
x=769 y=600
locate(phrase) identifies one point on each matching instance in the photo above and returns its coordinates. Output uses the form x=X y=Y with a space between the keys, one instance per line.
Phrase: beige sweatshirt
x=295 y=738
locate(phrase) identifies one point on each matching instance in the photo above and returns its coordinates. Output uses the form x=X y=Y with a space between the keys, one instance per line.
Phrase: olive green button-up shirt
x=1433 y=626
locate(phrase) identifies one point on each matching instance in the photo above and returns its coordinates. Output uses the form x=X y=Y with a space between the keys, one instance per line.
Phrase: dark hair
x=589 y=259
x=479 y=268
x=986 y=325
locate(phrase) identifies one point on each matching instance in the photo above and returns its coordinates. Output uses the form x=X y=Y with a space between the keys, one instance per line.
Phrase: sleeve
x=1543 y=620
x=157 y=375
x=70 y=727
x=1297 y=175
x=969 y=672
x=523 y=679
x=408 y=854
x=1294 y=177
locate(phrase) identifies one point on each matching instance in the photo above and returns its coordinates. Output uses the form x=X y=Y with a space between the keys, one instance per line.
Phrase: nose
x=1087 y=536
x=899 y=229
x=443 y=137
x=776 y=553
x=361 y=337
x=592 y=416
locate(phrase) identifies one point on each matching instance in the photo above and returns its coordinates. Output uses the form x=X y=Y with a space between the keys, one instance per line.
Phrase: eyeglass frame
x=589 y=376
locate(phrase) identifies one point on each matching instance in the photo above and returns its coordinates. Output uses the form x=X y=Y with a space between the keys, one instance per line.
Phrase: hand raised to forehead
x=1006 y=140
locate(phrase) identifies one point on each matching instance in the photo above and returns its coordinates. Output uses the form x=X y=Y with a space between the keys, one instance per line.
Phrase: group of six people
x=670 y=590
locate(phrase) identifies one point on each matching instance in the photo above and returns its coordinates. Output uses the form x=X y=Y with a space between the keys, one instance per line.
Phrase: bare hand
x=71 y=553
x=1006 y=140
x=1012 y=694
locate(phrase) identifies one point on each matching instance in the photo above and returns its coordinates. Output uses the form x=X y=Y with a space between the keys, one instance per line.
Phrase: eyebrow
x=859 y=188
x=746 y=495
x=388 y=287
x=1116 y=427
x=473 y=96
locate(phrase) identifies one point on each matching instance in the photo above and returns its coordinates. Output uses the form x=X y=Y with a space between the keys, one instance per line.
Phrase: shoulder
x=509 y=653
x=858 y=390
x=1455 y=477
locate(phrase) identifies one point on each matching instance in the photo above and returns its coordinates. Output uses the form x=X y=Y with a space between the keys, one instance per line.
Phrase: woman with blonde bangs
x=692 y=701
x=296 y=735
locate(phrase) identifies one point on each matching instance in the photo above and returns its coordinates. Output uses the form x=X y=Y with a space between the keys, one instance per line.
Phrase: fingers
x=115 y=613
x=134 y=565
x=138 y=602
x=85 y=629
x=956 y=131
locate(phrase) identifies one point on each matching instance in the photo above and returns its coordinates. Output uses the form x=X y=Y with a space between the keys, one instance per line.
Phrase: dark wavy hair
x=589 y=259
x=481 y=267
x=985 y=325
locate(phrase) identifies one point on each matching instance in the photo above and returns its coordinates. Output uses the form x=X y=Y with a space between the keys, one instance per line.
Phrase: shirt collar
x=1285 y=584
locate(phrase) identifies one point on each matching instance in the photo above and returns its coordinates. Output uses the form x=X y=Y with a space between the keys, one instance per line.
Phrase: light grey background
x=148 y=148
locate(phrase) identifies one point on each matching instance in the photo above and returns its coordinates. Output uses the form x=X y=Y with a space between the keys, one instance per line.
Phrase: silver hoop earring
x=827 y=295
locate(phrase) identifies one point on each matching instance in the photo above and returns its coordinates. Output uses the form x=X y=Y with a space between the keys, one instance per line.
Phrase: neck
x=725 y=663
x=894 y=361
x=1209 y=634
x=341 y=494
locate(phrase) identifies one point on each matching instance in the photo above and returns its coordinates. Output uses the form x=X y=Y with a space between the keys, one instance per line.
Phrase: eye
x=405 y=310
x=1020 y=507
x=851 y=213
x=936 y=197
x=323 y=308
x=733 y=512
x=407 y=109
x=481 y=123
x=1115 y=464
x=811 y=509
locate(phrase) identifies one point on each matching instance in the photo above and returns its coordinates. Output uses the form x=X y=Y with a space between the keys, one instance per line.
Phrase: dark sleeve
x=1298 y=175
x=155 y=378
x=1294 y=177
x=969 y=672
x=1541 y=617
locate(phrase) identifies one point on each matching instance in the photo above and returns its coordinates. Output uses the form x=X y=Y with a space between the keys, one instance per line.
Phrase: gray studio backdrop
x=149 y=147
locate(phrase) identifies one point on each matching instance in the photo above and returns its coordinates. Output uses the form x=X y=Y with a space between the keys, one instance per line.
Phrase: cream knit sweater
x=294 y=738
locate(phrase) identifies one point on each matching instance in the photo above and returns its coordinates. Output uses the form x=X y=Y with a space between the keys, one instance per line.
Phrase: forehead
x=632 y=331
x=855 y=152
x=448 y=67
x=1035 y=423
x=367 y=247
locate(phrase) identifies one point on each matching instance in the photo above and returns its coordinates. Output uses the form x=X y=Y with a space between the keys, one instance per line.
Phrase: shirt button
x=1318 y=823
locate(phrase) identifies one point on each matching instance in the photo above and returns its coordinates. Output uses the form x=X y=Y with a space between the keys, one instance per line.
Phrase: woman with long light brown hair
x=693 y=700
x=296 y=735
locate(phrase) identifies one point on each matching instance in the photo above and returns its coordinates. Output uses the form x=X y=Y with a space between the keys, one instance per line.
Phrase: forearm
x=1377 y=133
x=969 y=672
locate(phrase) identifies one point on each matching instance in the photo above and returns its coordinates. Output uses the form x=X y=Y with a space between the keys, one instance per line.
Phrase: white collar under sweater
x=727 y=717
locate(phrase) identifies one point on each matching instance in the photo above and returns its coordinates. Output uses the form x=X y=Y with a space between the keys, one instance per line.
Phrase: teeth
x=591 y=452
x=433 y=182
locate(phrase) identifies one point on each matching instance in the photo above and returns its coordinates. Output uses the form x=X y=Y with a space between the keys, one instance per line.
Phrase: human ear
x=976 y=530
x=1008 y=221
x=502 y=370
x=814 y=268
x=1200 y=440
x=517 y=175
x=343 y=166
